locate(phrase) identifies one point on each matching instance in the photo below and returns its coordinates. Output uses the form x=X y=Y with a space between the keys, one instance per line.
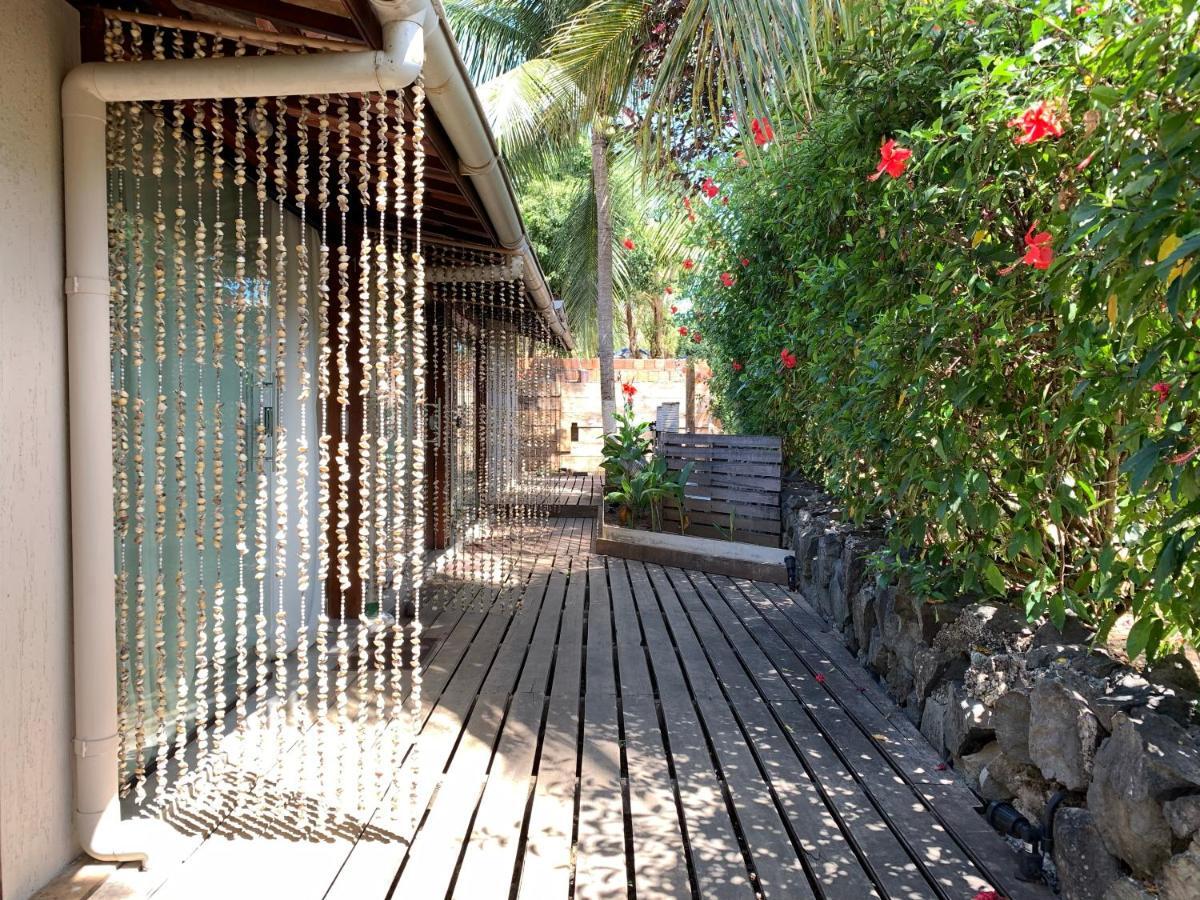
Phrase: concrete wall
x=573 y=399
x=38 y=44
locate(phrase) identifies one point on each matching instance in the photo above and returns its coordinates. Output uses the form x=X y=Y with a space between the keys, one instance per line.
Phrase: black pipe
x=1007 y=820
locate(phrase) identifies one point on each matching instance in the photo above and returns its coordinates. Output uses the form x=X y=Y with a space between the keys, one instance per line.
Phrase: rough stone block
x=1149 y=759
x=1085 y=867
x=1010 y=719
x=968 y=722
x=1063 y=731
x=972 y=764
x=1183 y=815
x=1180 y=879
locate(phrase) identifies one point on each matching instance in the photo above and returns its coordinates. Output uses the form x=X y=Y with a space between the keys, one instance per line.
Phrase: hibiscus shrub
x=965 y=297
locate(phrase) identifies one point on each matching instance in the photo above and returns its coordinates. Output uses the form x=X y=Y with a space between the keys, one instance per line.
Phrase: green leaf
x=992 y=576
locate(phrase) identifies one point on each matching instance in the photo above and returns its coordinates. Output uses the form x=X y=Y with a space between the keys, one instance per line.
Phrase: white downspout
x=85 y=90
x=451 y=95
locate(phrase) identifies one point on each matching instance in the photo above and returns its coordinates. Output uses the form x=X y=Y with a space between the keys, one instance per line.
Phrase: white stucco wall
x=38 y=43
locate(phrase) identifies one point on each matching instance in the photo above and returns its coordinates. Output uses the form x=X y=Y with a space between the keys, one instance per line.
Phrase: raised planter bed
x=731 y=558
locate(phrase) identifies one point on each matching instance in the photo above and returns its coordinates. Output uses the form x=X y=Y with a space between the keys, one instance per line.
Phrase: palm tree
x=558 y=69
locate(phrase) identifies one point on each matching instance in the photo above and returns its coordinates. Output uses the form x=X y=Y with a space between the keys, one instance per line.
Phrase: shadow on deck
x=612 y=728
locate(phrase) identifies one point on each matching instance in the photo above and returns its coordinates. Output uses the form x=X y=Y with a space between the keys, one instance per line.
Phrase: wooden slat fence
x=735 y=483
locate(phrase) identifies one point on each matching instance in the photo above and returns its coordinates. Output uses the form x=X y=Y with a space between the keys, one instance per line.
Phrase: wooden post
x=689 y=387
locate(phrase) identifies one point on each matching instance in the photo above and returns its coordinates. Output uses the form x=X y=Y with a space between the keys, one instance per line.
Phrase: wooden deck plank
x=429 y=868
x=879 y=851
x=547 y=865
x=218 y=816
x=830 y=856
x=657 y=837
x=908 y=816
x=896 y=740
x=778 y=869
x=371 y=864
x=600 y=863
x=720 y=868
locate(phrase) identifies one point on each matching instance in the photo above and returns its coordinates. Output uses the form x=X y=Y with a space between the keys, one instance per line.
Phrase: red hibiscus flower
x=1162 y=390
x=668 y=290
x=987 y=895
x=689 y=264
x=1038 y=252
x=710 y=188
x=727 y=279
x=683 y=330
x=1037 y=122
x=745 y=261
x=674 y=309
x=788 y=358
x=696 y=337
x=628 y=390
x=737 y=366
x=892 y=159
x=628 y=243
x=762 y=131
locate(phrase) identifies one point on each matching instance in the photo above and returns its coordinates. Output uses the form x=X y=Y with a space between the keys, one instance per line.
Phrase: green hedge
x=1022 y=431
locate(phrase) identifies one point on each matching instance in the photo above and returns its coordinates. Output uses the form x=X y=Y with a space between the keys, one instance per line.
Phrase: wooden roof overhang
x=453 y=211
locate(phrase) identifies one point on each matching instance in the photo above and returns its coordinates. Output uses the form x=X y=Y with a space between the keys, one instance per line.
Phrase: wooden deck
x=562 y=495
x=626 y=730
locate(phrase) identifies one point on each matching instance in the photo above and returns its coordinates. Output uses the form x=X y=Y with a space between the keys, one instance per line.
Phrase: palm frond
x=751 y=58
x=599 y=48
x=495 y=36
x=535 y=113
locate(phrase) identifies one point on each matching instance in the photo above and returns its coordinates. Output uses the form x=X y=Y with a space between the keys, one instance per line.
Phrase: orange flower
x=628 y=243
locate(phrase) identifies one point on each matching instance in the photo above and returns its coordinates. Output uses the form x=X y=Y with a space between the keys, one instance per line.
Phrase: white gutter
x=85 y=90
x=453 y=98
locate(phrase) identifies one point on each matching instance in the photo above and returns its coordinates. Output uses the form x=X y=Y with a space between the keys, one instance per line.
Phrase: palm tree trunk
x=631 y=329
x=657 y=340
x=604 y=280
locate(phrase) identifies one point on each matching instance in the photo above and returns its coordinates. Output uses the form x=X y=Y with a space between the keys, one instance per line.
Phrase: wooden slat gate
x=734 y=486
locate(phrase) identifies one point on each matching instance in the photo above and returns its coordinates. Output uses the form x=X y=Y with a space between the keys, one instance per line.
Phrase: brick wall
x=573 y=402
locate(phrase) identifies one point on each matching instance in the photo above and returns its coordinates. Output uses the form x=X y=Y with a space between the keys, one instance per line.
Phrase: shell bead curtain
x=268 y=267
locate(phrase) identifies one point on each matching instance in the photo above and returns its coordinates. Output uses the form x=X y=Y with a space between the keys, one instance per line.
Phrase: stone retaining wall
x=1025 y=711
